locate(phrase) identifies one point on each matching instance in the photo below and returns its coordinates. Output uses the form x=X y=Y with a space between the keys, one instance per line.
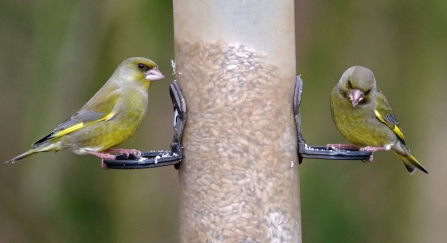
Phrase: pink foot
x=370 y=159
x=372 y=150
x=102 y=156
x=124 y=151
x=336 y=146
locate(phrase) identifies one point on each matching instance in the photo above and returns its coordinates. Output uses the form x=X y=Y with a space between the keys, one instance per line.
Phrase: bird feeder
x=240 y=148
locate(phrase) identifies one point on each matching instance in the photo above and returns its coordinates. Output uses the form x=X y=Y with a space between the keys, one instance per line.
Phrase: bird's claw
x=331 y=147
x=103 y=166
x=103 y=157
x=338 y=146
x=127 y=152
x=372 y=149
x=370 y=159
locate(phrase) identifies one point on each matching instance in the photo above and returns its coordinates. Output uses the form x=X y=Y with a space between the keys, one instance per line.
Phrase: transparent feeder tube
x=235 y=63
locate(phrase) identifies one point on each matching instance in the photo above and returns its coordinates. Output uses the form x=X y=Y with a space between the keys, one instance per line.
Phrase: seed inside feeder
x=240 y=142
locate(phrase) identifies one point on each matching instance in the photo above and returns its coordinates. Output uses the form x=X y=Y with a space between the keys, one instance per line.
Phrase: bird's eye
x=367 y=92
x=349 y=83
x=142 y=66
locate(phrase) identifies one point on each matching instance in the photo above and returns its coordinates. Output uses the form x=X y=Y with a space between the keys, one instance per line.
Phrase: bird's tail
x=411 y=163
x=45 y=147
x=24 y=155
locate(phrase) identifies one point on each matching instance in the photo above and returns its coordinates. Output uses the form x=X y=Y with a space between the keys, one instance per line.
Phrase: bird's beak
x=356 y=96
x=154 y=74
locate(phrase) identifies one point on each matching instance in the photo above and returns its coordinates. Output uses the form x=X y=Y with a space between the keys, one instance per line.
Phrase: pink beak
x=355 y=96
x=154 y=74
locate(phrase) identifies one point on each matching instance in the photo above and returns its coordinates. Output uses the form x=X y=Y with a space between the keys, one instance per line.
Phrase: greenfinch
x=363 y=116
x=109 y=118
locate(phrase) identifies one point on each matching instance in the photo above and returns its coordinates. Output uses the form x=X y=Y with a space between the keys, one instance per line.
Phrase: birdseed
x=237 y=184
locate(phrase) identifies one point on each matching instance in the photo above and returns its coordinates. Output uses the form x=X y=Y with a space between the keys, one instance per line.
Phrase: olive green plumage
x=109 y=118
x=363 y=116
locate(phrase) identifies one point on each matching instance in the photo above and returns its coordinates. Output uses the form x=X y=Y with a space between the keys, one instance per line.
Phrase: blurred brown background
x=55 y=55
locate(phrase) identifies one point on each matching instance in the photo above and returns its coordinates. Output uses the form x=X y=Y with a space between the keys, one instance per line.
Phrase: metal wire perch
x=319 y=152
x=160 y=158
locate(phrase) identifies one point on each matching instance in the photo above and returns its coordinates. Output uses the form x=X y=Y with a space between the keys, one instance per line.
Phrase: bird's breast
x=361 y=127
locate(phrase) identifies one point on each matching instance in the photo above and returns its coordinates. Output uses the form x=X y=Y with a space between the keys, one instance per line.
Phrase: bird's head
x=140 y=69
x=357 y=83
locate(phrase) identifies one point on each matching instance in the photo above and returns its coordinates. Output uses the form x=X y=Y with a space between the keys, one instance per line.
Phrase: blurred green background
x=54 y=55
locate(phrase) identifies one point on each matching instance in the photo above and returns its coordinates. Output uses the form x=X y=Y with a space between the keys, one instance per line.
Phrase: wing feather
x=94 y=111
x=385 y=114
